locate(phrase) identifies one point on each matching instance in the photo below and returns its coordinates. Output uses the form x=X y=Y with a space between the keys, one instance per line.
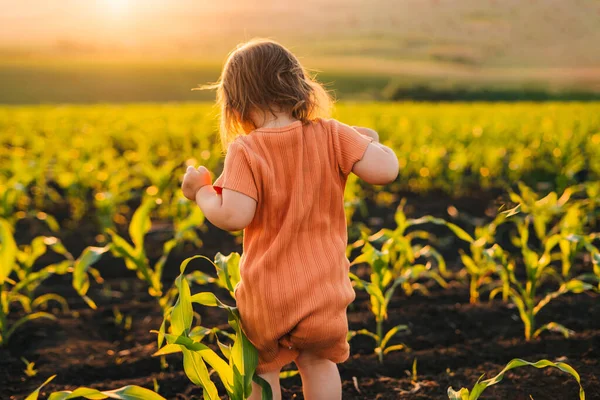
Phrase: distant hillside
x=155 y=50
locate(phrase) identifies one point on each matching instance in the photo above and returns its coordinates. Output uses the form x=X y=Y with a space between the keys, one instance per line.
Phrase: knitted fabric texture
x=295 y=288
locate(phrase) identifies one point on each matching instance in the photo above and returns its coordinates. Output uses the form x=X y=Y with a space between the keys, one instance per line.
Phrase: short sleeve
x=237 y=173
x=349 y=145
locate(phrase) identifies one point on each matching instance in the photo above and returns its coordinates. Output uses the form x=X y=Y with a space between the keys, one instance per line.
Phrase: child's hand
x=193 y=180
x=367 y=132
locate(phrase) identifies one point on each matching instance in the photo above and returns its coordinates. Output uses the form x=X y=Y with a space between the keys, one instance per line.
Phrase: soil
x=453 y=341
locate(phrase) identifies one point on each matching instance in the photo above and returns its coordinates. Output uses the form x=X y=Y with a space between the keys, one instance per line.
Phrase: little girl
x=283 y=184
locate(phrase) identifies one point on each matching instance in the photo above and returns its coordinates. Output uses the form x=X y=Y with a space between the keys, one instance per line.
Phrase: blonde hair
x=262 y=75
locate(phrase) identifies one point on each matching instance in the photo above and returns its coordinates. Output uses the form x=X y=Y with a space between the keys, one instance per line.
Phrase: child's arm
x=379 y=165
x=230 y=211
x=368 y=132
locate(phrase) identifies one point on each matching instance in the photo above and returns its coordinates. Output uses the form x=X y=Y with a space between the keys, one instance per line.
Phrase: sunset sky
x=490 y=32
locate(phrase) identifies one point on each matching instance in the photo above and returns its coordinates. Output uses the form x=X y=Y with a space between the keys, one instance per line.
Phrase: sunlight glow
x=117 y=6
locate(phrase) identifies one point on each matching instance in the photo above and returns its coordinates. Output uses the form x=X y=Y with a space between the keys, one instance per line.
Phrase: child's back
x=295 y=286
x=283 y=183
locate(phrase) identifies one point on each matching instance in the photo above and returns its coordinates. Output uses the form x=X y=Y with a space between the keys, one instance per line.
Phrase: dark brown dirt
x=453 y=342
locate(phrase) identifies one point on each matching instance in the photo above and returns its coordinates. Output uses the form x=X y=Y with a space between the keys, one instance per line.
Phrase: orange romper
x=294 y=287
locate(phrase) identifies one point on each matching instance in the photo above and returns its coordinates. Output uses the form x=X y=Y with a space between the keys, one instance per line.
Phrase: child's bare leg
x=273 y=379
x=320 y=377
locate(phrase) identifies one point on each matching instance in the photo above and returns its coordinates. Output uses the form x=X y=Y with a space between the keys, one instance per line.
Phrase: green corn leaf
x=391 y=333
x=167 y=349
x=192 y=221
x=35 y=251
x=364 y=332
x=163 y=326
x=26 y=318
x=120 y=247
x=131 y=392
x=288 y=374
x=396 y=347
x=462 y=394
x=34 y=395
x=205 y=299
x=88 y=257
x=457 y=230
x=228 y=270
x=225 y=349
x=12 y=297
x=400 y=217
x=45 y=298
x=196 y=371
x=200 y=278
x=513 y=211
x=429 y=251
x=244 y=356
x=182 y=313
x=52 y=223
x=58 y=247
x=60 y=268
x=8 y=250
x=207 y=354
x=522 y=312
x=515 y=363
x=553 y=327
x=469 y=263
x=573 y=286
x=378 y=301
x=141 y=224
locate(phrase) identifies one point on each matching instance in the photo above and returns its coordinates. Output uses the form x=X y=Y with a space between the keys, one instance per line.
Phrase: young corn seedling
x=480 y=386
x=29 y=370
x=135 y=255
x=18 y=281
x=478 y=265
x=235 y=368
x=130 y=392
x=537 y=267
x=401 y=250
x=381 y=288
x=543 y=211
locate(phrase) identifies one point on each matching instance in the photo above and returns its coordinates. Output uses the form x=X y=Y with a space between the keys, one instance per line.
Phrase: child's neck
x=275 y=121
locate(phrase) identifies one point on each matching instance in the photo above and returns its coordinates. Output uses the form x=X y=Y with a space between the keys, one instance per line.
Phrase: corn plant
x=478 y=265
x=228 y=276
x=554 y=215
x=480 y=386
x=587 y=242
x=135 y=255
x=537 y=266
x=403 y=253
x=18 y=281
x=238 y=363
x=130 y=392
x=544 y=210
x=381 y=288
x=401 y=250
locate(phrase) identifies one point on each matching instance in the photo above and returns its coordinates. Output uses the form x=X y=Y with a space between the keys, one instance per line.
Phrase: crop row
x=553 y=252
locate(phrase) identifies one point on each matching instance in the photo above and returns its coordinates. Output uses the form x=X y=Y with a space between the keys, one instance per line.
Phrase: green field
x=115 y=152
